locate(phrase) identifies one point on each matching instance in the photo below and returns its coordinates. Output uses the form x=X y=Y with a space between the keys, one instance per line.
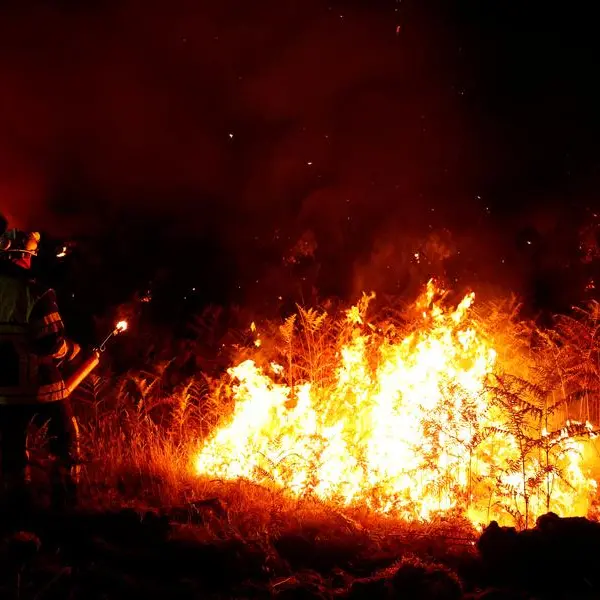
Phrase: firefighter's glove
x=73 y=351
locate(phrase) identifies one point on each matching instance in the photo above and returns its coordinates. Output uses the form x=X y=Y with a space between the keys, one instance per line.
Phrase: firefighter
x=32 y=346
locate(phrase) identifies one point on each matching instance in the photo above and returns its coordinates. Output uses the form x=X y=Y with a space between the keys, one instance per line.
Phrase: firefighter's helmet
x=14 y=241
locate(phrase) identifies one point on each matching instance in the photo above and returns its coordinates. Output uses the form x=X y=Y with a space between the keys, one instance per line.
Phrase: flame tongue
x=400 y=430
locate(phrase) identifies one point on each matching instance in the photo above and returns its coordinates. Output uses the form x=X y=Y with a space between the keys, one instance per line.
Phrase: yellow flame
x=257 y=341
x=121 y=326
x=409 y=428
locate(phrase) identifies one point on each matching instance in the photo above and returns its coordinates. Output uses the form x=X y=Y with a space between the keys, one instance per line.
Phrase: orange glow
x=121 y=326
x=408 y=424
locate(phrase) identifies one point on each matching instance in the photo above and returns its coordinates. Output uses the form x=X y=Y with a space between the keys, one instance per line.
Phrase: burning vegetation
x=437 y=410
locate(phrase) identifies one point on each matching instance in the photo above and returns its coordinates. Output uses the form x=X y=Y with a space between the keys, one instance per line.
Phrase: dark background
x=257 y=151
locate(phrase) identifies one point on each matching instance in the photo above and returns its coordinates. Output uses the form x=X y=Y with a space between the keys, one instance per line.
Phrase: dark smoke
x=210 y=136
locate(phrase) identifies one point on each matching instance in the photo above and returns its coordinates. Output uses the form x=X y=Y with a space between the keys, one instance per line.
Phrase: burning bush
x=415 y=415
x=423 y=412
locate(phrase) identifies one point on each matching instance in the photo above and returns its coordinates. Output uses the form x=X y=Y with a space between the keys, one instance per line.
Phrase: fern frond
x=287 y=329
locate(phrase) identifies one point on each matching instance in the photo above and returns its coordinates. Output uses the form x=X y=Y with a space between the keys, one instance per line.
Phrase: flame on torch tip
x=119 y=328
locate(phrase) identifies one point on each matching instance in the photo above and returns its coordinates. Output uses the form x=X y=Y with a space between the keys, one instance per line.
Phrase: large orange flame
x=410 y=427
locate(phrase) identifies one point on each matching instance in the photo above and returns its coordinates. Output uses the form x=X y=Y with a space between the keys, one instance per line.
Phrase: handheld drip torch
x=90 y=363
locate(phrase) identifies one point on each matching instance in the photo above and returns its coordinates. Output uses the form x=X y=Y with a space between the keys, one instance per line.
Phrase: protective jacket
x=32 y=340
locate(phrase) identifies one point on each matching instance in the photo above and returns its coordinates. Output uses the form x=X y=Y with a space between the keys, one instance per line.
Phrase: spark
x=62 y=253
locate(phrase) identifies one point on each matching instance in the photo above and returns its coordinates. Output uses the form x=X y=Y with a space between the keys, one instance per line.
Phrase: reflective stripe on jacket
x=32 y=340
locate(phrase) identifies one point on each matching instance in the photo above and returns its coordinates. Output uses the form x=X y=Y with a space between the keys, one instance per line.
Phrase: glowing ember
x=62 y=253
x=410 y=424
x=121 y=326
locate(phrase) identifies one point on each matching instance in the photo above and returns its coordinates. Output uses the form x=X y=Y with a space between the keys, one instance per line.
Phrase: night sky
x=192 y=144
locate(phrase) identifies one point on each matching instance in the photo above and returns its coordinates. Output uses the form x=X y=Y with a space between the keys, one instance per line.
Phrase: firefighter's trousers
x=62 y=444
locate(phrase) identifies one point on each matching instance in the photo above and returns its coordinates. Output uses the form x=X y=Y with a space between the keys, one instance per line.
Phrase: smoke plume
x=247 y=124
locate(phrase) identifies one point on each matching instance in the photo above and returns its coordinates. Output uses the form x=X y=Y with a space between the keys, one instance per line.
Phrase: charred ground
x=248 y=543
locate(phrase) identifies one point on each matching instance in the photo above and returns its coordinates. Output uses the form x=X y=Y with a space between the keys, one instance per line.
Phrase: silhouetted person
x=32 y=345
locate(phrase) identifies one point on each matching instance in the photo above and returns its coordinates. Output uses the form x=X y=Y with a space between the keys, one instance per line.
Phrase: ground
x=240 y=541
